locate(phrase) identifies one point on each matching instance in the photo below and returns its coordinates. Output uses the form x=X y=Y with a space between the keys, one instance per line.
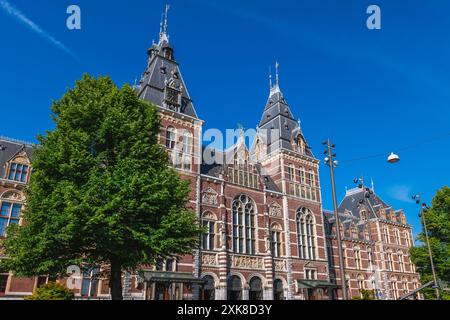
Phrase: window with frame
x=291 y=172
x=18 y=172
x=276 y=241
x=302 y=175
x=400 y=261
x=397 y=236
x=244 y=228
x=306 y=234
x=209 y=235
x=170 y=137
x=361 y=286
x=386 y=234
x=389 y=261
x=357 y=254
x=9 y=214
x=310 y=274
x=89 y=283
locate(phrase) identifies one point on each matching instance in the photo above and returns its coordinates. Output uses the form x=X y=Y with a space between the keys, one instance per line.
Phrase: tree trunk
x=115 y=281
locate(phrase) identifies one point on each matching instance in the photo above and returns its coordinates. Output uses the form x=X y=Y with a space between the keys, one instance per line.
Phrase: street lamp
x=329 y=161
x=423 y=209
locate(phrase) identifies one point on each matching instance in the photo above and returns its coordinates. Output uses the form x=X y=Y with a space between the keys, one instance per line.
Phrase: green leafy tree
x=101 y=192
x=365 y=295
x=438 y=225
x=52 y=291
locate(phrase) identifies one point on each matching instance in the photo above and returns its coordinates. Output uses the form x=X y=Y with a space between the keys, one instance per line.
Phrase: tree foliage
x=52 y=291
x=438 y=225
x=101 y=191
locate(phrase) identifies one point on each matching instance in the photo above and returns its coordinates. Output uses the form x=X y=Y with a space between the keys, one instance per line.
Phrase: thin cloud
x=401 y=193
x=17 y=14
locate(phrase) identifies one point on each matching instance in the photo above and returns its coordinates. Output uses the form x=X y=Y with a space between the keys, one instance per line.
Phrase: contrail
x=14 y=12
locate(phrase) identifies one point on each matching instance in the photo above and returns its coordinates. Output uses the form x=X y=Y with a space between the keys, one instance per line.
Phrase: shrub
x=52 y=291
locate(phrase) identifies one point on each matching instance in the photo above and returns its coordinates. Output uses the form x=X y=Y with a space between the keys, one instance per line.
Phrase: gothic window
x=209 y=224
x=360 y=279
x=394 y=288
x=9 y=214
x=276 y=242
x=18 y=172
x=234 y=288
x=370 y=257
x=208 y=289
x=306 y=234
x=170 y=137
x=243 y=225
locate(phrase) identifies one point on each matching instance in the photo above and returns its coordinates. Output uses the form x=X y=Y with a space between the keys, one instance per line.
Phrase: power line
x=435 y=138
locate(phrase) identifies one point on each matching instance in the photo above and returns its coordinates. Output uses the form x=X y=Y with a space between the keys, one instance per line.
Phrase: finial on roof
x=165 y=19
x=275 y=88
x=163 y=26
x=270 y=77
x=373 y=186
x=299 y=122
x=276 y=70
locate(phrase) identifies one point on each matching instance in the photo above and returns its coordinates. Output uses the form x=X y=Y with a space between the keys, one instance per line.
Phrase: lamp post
x=329 y=160
x=423 y=210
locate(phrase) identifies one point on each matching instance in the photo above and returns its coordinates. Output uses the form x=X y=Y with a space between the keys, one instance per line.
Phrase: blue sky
x=371 y=92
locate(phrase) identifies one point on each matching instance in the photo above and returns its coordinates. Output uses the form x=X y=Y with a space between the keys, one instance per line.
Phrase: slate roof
x=161 y=70
x=11 y=148
x=277 y=115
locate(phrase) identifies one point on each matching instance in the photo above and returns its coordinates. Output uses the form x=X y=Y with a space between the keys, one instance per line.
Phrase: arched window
x=363 y=215
x=255 y=289
x=209 y=223
x=9 y=214
x=208 y=292
x=306 y=234
x=234 y=288
x=170 y=137
x=360 y=279
x=243 y=225
x=370 y=257
x=276 y=242
x=278 y=290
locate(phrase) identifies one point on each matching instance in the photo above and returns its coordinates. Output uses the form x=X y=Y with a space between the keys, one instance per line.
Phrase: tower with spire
x=162 y=83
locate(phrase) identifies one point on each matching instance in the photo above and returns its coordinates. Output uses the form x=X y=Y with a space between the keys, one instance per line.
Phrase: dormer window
x=163 y=70
x=18 y=172
x=173 y=96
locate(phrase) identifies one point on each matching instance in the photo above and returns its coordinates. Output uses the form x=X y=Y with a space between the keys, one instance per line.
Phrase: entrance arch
x=256 y=290
x=234 y=288
x=278 y=290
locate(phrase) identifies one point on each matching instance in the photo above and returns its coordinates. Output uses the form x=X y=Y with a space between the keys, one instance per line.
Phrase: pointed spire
x=275 y=88
x=163 y=26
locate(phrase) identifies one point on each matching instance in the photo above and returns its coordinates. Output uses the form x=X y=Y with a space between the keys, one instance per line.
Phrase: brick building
x=267 y=235
x=376 y=242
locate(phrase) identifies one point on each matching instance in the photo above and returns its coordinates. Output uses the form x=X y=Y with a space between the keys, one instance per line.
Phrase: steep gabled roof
x=11 y=148
x=163 y=70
